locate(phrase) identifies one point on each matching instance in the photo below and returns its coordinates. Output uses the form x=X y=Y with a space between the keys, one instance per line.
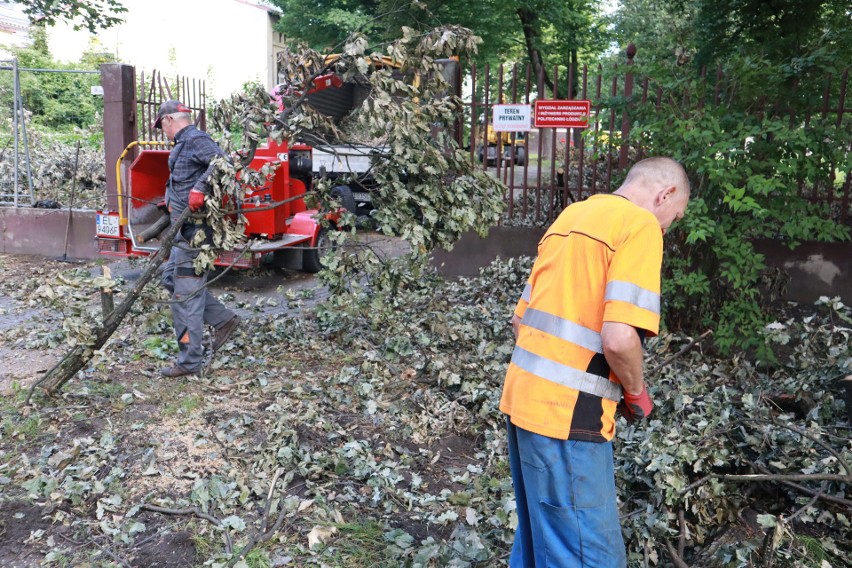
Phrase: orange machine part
x=272 y=222
x=149 y=173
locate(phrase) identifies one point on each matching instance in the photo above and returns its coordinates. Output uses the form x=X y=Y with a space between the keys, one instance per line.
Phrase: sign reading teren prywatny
x=511 y=118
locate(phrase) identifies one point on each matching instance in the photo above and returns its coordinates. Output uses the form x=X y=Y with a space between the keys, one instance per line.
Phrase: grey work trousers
x=190 y=315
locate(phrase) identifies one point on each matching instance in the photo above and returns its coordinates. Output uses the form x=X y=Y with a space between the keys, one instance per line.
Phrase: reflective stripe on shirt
x=527 y=292
x=563 y=329
x=633 y=294
x=565 y=375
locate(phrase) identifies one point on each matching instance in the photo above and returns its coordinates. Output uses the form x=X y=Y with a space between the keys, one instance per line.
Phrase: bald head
x=652 y=172
x=659 y=185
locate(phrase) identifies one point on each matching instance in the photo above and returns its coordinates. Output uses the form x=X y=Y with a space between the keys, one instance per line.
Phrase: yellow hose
x=122 y=219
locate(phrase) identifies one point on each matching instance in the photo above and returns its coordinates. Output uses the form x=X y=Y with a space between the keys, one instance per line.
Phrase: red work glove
x=196 y=200
x=636 y=406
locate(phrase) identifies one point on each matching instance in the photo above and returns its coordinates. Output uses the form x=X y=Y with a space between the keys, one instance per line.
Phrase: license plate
x=361 y=196
x=107 y=225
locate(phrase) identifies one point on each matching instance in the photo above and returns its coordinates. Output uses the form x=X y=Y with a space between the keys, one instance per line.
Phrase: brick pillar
x=120 y=129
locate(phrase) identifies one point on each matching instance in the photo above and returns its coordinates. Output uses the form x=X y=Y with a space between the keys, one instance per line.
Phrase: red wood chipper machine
x=289 y=234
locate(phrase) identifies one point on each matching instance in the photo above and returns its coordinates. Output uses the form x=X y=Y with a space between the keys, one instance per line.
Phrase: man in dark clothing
x=193 y=305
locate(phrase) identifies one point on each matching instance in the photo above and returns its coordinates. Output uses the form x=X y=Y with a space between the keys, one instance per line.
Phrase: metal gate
x=155 y=88
x=547 y=168
x=560 y=166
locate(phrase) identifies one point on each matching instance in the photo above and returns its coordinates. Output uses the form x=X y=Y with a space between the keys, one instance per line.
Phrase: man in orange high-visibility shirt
x=591 y=298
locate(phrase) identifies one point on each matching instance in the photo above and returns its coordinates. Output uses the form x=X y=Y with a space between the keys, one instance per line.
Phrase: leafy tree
x=542 y=32
x=775 y=29
x=662 y=30
x=89 y=14
x=673 y=33
x=754 y=172
x=750 y=153
x=56 y=100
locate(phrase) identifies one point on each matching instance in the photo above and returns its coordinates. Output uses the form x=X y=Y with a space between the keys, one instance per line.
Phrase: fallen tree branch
x=74 y=360
x=808 y=491
x=111 y=554
x=804 y=433
x=154 y=230
x=266 y=508
x=781 y=478
x=676 y=560
x=749 y=477
x=810 y=503
x=262 y=535
x=195 y=511
x=683 y=350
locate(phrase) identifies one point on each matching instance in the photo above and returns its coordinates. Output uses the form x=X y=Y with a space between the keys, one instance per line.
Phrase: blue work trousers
x=567 y=512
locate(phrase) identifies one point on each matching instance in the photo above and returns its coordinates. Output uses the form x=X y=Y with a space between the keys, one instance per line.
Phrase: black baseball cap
x=169 y=107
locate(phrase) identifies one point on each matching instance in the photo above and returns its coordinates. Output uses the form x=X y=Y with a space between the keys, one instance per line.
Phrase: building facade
x=227 y=43
x=14 y=28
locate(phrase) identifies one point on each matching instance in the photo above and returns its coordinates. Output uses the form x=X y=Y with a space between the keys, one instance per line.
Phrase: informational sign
x=511 y=118
x=97 y=90
x=562 y=114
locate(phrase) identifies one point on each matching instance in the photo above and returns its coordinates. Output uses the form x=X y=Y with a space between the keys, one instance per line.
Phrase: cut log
x=154 y=230
x=107 y=298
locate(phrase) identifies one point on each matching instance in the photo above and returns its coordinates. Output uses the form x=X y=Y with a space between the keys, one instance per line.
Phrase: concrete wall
x=472 y=253
x=42 y=232
x=815 y=269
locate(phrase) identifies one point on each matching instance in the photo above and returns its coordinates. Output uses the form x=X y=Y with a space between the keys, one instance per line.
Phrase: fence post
x=16 y=103
x=625 y=119
x=120 y=127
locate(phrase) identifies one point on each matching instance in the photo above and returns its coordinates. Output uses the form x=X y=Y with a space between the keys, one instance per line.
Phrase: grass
x=107 y=389
x=206 y=548
x=185 y=405
x=813 y=549
x=359 y=544
x=258 y=558
x=203 y=546
x=27 y=428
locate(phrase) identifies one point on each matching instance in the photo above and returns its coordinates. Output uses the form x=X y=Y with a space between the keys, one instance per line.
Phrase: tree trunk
x=529 y=23
x=75 y=359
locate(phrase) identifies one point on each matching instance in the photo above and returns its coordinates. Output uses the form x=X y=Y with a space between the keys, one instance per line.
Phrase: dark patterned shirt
x=189 y=164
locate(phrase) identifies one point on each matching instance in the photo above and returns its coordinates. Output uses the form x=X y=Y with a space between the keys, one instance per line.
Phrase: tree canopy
x=89 y=14
x=539 y=31
x=751 y=137
x=676 y=32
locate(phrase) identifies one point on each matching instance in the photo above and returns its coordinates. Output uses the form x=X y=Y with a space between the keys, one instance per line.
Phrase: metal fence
x=25 y=181
x=20 y=156
x=556 y=166
x=155 y=88
x=561 y=166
